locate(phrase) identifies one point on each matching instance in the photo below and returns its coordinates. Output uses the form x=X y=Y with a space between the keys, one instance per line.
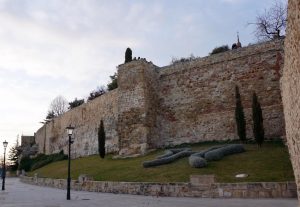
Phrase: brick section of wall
x=291 y=86
x=137 y=106
x=197 y=98
x=216 y=190
x=86 y=119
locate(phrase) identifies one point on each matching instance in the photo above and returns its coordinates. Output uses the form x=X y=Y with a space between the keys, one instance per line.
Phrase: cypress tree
x=258 y=126
x=239 y=116
x=101 y=140
x=128 y=55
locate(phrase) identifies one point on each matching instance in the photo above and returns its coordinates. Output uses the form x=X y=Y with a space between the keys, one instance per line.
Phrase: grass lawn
x=270 y=163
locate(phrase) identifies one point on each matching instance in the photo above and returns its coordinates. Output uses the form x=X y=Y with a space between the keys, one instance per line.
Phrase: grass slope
x=270 y=163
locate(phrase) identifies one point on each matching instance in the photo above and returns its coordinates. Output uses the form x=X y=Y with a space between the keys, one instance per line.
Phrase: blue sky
x=69 y=47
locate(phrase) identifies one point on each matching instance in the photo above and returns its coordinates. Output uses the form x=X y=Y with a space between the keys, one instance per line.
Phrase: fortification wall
x=291 y=87
x=197 y=98
x=182 y=103
x=137 y=106
x=86 y=119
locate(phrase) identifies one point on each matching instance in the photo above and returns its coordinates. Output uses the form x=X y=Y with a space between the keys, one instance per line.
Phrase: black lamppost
x=5 y=143
x=70 y=132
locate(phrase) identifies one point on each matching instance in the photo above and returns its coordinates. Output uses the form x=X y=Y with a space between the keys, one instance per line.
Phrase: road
x=25 y=195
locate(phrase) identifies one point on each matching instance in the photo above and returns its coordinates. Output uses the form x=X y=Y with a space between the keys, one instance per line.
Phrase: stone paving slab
x=18 y=194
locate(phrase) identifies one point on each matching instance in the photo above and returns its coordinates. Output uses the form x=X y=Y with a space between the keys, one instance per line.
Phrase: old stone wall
x=291 y=86
x=214 y=190
x=197 y=98
x=86 y=118
x=27 y=140
x=186 y=102
x=137 y=107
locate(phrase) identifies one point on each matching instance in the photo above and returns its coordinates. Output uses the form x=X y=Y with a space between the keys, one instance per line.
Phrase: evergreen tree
x=75 y=103
x=114 y=82
x=101 y=140
x=128 y=55
x=258 y=126
x=13 y=156
x=96 y=93
x=239 y=116
x=50 y=115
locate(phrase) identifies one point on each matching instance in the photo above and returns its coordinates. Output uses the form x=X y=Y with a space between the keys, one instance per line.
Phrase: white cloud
x=70 y=47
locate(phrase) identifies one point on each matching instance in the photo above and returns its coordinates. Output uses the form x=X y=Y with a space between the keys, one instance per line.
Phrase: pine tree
x=128 y=55
x=13 y=156
x=239 y=116
x=101 y=140
x=258 y=126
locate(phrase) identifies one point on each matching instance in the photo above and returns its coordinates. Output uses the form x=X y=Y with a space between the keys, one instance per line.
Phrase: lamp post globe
x=5 y=143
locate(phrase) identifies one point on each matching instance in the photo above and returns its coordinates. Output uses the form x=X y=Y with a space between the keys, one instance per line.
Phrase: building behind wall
x=186 y=102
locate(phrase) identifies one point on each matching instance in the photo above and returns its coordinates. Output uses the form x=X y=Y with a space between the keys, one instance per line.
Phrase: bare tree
x=58 y=106
x=271 y=24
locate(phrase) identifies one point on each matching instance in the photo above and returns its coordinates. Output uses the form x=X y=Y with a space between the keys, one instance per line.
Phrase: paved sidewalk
x=20 y=194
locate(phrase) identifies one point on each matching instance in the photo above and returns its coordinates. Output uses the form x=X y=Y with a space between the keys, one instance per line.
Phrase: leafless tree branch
x=271 y=24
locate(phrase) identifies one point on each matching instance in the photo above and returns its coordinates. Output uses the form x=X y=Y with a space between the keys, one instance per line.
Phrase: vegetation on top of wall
x=114 y=82
x=96 y=93
x=29 y=164
x=50 y=115
x=75 y=103
x=58 y=106
x=220 y=49
x=183 y=59
x=128 y=55
x=271 y=24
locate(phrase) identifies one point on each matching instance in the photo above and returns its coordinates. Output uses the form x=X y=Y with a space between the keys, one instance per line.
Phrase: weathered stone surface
x=197 y=98
x=86 y=119
x=291 y=86
x=202 y=179
x=182 y=103
x=137 y=106
x=208 y=190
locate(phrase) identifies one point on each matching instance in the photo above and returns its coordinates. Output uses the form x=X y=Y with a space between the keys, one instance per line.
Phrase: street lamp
x=5 y=143
x=70 y=132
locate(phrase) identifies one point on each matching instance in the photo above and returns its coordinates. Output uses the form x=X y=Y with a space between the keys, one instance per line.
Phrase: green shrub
x=220 y=49
x=29 y=164
x=183 y=59
x=114 y=82
x=25 y=164
x=75 y=103
x=197 y=162
x=96 y=93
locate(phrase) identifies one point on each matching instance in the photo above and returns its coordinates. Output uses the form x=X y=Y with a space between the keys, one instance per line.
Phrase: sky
x=70 y=47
